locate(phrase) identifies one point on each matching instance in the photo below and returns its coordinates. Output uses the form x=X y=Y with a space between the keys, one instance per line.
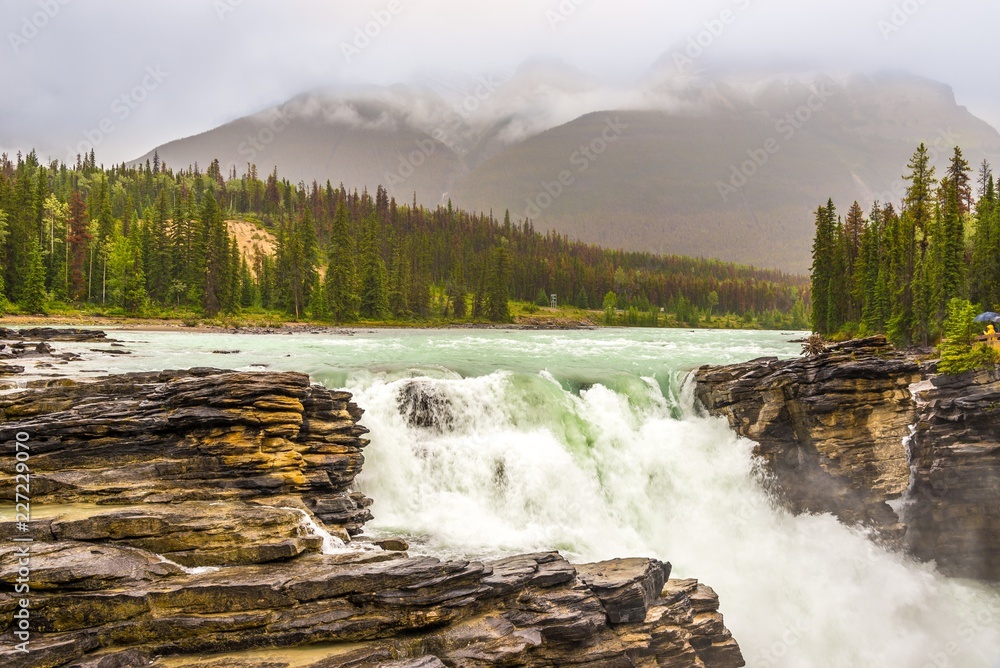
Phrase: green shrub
x=959 y=351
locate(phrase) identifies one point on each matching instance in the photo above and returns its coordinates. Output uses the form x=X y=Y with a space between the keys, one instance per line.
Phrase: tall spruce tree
x=3 y=239
x=215 y=239
x=497 y=291
x=374 y=278
x=33 y=296
x=983 y=267
x=823 y=266
x=853 y=298
x=340 y=282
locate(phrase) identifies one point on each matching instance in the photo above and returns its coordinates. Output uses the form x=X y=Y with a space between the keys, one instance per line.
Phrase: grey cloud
x=64 y=63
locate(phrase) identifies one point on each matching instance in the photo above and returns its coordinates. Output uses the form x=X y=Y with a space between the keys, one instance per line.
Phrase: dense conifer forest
x=149 y=240
x=899 y=272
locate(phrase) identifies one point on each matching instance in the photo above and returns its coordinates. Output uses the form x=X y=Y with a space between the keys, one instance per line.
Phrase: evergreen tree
x=951 y=225
x=457 y=292
x=961 y=182
x=3 y=239
x=866 y=276
x=497 y=295
x=824 y=262
x=982 y=271
x=158 y=260
x=399 y=280
x=33 y=300
x=214 y=256
x=341 y=278
x=918 y=212
x=479 y=297
x=22 y=231
x=232 y=290
x=853 y=264
x=249 y=291
x=374 y=278
x=319 y=306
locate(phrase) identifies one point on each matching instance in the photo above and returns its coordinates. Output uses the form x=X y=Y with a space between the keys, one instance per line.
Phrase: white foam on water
x=331 y=544
x=200 y=570
x=523 y=465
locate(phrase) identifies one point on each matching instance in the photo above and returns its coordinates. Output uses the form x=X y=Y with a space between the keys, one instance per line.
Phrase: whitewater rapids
x=518 y=463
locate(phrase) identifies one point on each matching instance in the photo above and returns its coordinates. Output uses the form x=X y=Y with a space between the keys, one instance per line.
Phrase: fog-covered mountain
x=728 y=167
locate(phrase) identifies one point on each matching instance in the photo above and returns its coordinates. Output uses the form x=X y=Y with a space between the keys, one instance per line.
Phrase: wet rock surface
x=33 y=349
x=843 y=432
x=953 y=507
x=198 y=435
x=180 y=521
x=53 y=334
x=424 y=405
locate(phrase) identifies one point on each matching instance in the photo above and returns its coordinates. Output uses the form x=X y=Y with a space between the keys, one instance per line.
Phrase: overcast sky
x=185 y=66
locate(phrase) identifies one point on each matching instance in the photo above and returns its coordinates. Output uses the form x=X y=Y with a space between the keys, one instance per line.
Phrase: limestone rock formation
x=181 y=518
x=953 y=506
x=199 y=435
x=852 y=430
x=118 y=606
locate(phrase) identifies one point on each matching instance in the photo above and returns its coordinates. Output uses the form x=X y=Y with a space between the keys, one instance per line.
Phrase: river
x=590 y=443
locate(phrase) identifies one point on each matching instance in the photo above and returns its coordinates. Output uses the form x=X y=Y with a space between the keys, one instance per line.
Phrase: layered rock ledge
x=205 y=518
x=875 y=437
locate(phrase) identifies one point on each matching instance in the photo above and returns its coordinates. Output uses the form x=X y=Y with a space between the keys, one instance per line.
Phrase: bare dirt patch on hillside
x=250 y=237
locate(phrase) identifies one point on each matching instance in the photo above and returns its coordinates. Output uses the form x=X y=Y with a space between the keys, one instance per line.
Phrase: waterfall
x=518 y=462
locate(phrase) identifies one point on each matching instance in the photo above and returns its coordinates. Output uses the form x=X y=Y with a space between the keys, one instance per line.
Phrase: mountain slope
x=729 y=168
x=738 y=181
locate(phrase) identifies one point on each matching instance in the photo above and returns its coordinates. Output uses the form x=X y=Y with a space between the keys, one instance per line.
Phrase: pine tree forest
x=896 y=271
x=150 y=241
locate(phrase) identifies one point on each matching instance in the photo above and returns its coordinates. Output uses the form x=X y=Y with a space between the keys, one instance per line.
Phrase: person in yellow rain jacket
x=991 y=330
